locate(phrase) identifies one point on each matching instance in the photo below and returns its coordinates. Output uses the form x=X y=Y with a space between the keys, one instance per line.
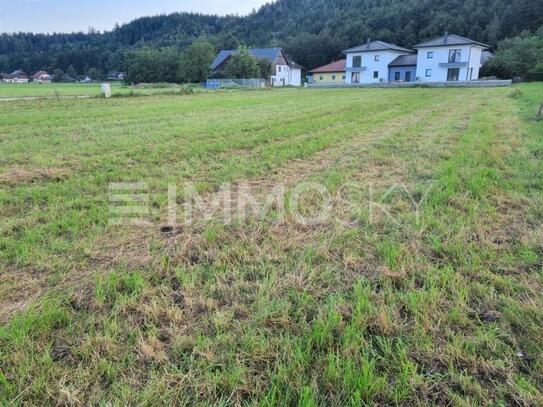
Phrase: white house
x=42 y=77
x=18 y=76
x=284 y=72
x=368 y=63
x=449 y=58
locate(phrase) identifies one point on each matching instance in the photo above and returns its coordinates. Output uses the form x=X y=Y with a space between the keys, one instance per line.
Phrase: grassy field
x=36 y=90
x=8 y=90
x=430 y=294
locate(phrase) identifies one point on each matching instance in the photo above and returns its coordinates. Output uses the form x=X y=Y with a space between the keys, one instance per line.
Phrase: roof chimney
x=445 y=37
x=368 y=42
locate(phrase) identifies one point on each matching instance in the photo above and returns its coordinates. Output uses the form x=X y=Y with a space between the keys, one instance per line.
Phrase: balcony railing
x=453 y=64
x=355 y=69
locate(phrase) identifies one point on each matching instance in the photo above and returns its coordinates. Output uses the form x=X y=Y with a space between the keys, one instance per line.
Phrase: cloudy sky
x=46 y=16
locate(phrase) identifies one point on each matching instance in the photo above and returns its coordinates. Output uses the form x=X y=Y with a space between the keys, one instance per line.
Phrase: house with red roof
x=42 y=77
x=331 y=73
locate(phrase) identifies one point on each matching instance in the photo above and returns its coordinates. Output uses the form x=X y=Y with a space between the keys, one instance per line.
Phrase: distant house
x=284 y=71
x=331 y=73
x=42 y=77
x=116 y=76
x=449 y=58
x=368 y=63
x=6 y=78
x=17 y=76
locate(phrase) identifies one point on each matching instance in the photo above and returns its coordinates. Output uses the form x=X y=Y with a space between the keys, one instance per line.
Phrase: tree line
x=518 y=56
x=167 y=65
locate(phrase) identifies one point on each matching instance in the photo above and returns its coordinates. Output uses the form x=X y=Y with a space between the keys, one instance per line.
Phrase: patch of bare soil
x=20 y=286
x=17 y=176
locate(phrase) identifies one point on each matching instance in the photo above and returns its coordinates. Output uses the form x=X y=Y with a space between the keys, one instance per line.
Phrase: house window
x=408 y=76
x=396 y=76
x=430 y=54
x=320 y=78
x=454 y=55
x=357 y=61
x=453 y=74
x=343 y=77
x=355 y=77
x=279 y=68
x=428 y=73
x=375 y=74
x=376 y=58
x=333 y=77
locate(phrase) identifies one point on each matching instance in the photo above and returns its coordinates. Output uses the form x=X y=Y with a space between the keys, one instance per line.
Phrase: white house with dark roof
x=369 y=63
x=449 y=58
x=443 y=59
x=284 y=71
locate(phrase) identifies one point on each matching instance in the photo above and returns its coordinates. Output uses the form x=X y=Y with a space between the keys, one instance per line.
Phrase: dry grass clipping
x=17 y=176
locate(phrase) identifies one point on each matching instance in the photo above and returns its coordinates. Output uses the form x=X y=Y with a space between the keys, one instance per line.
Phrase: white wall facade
x=295 y=77
x=285 y=75
x=430 y=70
x=15 y=80
x=370 y=65
x=282 y=75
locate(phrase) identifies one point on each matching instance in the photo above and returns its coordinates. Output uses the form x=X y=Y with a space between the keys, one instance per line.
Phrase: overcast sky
x=46 y=16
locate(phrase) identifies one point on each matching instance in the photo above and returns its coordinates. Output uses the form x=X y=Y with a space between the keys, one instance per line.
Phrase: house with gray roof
x=446 y=58
x=369 y=63
x=403 y=68
x=449 y=58
x=285 y=72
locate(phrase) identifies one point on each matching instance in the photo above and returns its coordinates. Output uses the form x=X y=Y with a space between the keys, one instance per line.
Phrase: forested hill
x=312 y=31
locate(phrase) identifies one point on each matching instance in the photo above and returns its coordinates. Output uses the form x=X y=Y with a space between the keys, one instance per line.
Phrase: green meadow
x=428 y=292
x=63 y=90
x=9 y=90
